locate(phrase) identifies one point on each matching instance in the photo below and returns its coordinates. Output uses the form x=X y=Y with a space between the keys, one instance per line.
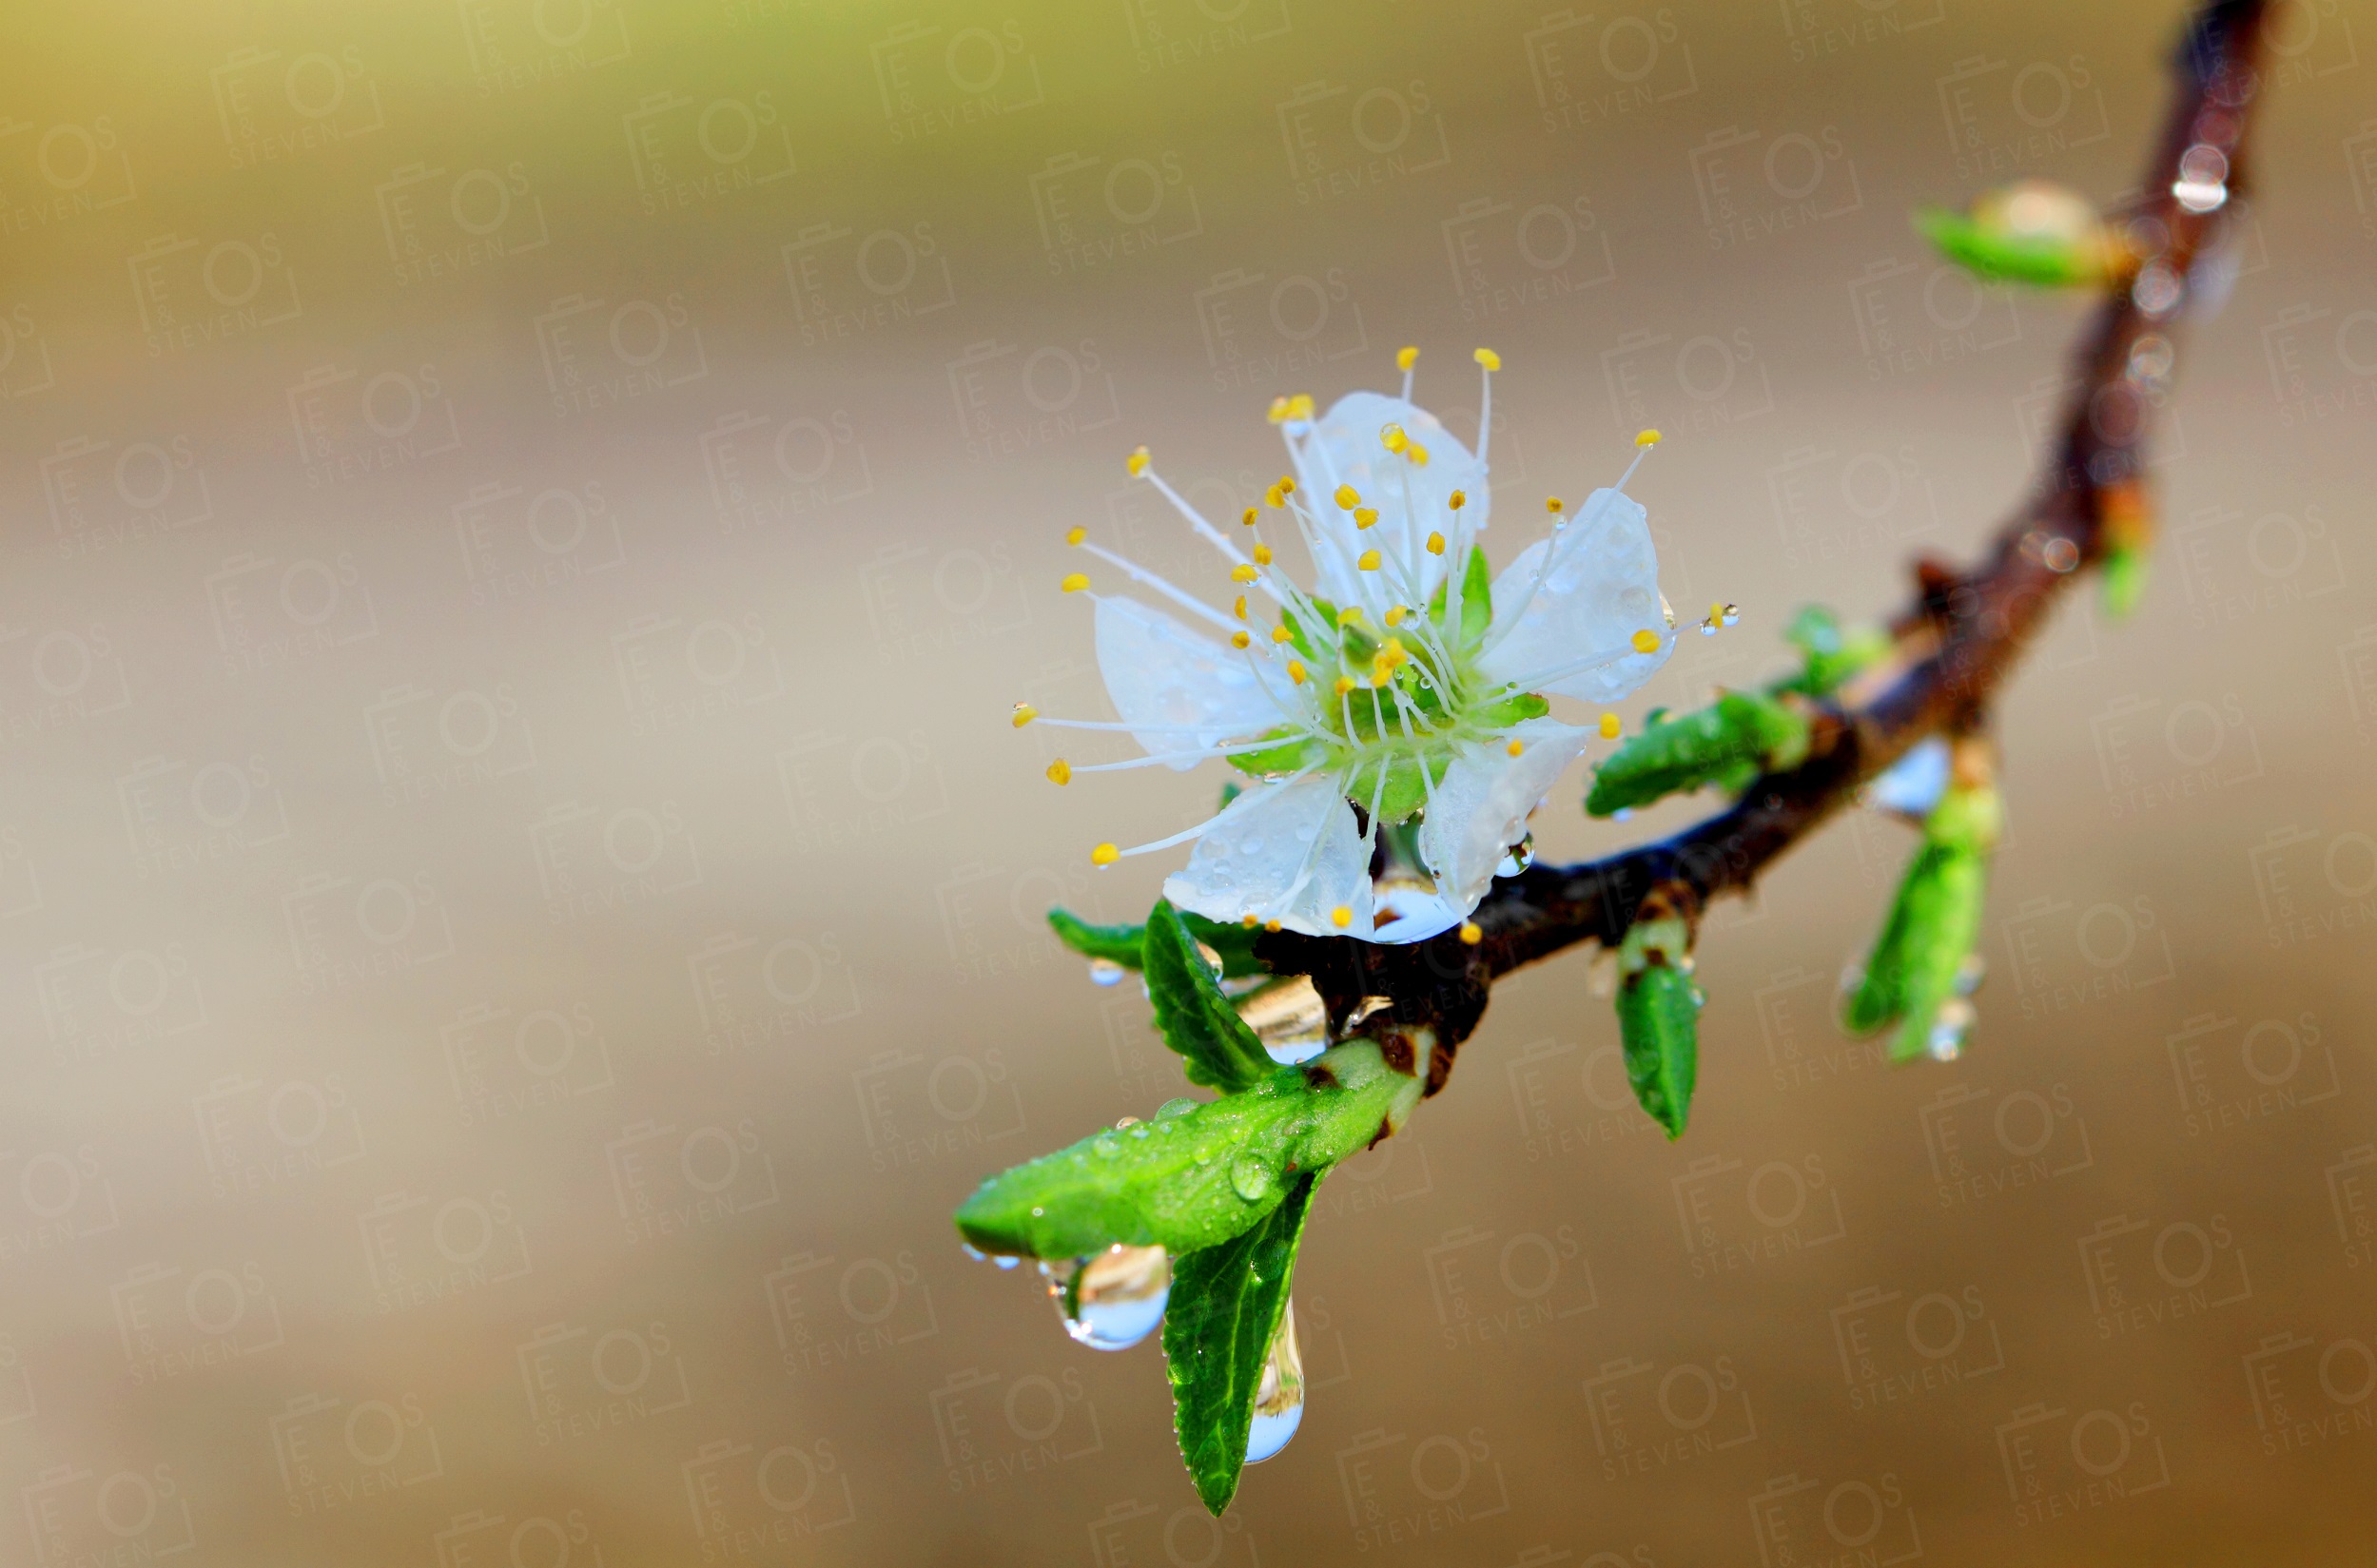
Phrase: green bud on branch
x=1729 y=743
x=1934 y=923
x=1659 y=1013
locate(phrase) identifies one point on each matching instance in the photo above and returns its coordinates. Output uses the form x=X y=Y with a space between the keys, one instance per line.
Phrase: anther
x=1296 y=672
x=1105 y=854
x=1270 y=926
x=1344 y=685
x=1136 y=462
x=1262 y=554
x=1458 y=499
x=1647 y=439
x=1394 y=615
x=1488 y=358
x=1239 y=606
x=1075 y=536
x=1242 y=573
x=1435 y=544
x=1417 y=454
x=1341 y=917
x=1365 y=516
x=1393 y=438
x=1279 y=410
x=1074 y=582
x=1347 y=497
x=1646 y=641
x=1282 y=634
x=1369 y=561
x=1252 y=512
x=1060 y=772
x=1516 y=748
x=1239 y=639
x=1405 y=357
x=1472 y=933
x=1554 y=505
x=1025 y=713
x=1610 y=727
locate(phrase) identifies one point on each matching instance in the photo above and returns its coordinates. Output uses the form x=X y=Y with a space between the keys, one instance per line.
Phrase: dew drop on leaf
x=1279 y=1397
x=1251 y=1178
x=1113 y=1299
x=1105 y=972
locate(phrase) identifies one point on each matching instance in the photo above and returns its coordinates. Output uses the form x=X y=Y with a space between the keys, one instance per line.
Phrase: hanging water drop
x=1105 y=972
x=1112 y=1300
x=1279 y=1397
x=1949 y=1026
x=1289 y=1017
x=1970 y=974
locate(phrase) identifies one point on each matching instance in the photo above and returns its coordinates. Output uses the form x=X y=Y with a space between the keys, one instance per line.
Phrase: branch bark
x=1957 y=643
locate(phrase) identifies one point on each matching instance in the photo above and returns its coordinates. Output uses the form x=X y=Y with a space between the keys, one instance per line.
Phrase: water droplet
x=1003 y=1260
x=1250 y=1178
x=1970 y=974
x=1279 y=1397
x=1108 y=1145
x=1105 y=972
x=1172 y=1108
x=1113 y=1299
x=1953 y=1022
x=1289 y=1017
x=1732 y=615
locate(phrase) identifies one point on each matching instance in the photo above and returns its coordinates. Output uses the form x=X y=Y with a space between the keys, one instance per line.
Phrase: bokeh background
x=520 y=904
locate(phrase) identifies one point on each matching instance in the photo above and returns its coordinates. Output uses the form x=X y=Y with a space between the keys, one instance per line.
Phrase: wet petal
x=1344 y=449
x=1164 y=676
x=1289 y=853
x=1481 y=808
x=1603 y=588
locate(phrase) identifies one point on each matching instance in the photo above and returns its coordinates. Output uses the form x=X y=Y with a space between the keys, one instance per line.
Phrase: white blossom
x=1404 y=690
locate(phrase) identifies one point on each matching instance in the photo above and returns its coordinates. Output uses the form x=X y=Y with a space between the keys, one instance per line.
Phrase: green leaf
x=1197 y=1174
x=1226 y=1304
x=1659 y=1017
x=1995 y=256
x=2125 y=581
x=1517 y=708
x=1197 y=1019
x=1122 y=943
x=1833 y=655
x=1729 y=743
x=1287 y=752
x=1933 y=925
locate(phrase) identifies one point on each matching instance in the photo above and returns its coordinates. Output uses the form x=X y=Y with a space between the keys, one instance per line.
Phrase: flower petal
x=1344 y=449
x=1166 y=677
x=1602 y=590
x=1281 y=852
x=1480 y=809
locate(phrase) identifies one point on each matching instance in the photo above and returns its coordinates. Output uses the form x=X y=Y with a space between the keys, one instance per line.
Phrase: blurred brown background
x=524 y=518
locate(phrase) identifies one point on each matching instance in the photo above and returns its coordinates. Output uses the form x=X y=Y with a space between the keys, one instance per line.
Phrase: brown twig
x=1955 y=645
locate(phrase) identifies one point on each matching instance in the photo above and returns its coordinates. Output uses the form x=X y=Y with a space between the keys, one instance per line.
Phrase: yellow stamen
x=1295 y=670
x=1279 y=411
x=1406 y=357
x=1074 y=582
x=1252 y=513
x=1365 y=516
x=1060 y=772
x=1393 y=438
x=1369 y=561
x=1273 y=499
x=1472 y=933
x=1516 y=748
x=1610 y=727
x=1239 y=606
x=1300 y=406
x=1379 y=676
x=1418 y=453
x=1347 y=497
x=1647 y=439
x=1242 y=573
x=1344 y=685
x=1282 y=634
x=1239 y=639
x=1488 y=358
x=1552 y=504
x=1270 y=926
x=1286 y=485
x=1458 y=499
x=1136 y=462
x=1646 y=641
x=1716 y=612
x=1105 y=854
x=1249 y=921
x=1341 y=917
x=1262 y=554
x=1350 y=615
x=1435 y=544
x=1394 y=615
x=1025 y=713
x=1075 y=536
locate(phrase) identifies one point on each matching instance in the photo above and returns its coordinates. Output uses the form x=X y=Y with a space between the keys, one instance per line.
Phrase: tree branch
x=1956 y=645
